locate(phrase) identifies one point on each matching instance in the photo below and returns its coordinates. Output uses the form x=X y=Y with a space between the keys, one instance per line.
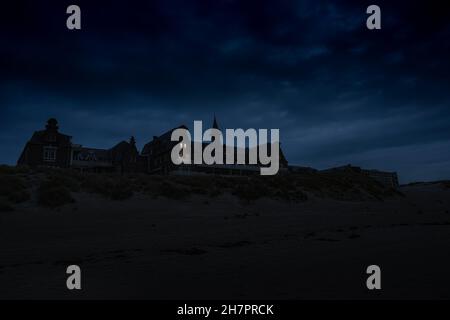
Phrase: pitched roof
x=165 y=137
x=121 y=149
x=38 y=137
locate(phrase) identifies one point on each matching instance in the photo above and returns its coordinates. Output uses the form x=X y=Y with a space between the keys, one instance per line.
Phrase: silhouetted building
x=47 y=147
x=158 y=154
x=300 y=169
x=123 y=157
x=91 y=159
x=388 y=179
x=53 y=149
x=50 y=148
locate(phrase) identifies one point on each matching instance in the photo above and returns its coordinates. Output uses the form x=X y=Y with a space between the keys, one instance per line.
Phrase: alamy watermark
x=259 y=142
x=73 y=22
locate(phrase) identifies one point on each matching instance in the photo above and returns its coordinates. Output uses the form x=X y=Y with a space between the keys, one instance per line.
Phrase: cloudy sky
x=338 y=92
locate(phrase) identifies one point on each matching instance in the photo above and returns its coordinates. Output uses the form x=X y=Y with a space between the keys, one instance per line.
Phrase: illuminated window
x=49 y=153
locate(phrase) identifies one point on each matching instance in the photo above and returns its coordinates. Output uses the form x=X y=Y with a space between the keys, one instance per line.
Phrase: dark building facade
x=123 y=157
x=388 y=179
x=158 y=157
x=157 y=153
x=50 y=148
x=47 y=147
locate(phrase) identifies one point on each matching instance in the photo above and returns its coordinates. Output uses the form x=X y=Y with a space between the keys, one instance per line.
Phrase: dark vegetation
x=5 y=206
x=52 y=193
x=55 y=187
x=346 y=185
x=13 y=187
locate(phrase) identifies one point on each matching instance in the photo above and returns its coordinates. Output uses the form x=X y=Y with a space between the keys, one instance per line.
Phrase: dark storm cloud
x=338 y=92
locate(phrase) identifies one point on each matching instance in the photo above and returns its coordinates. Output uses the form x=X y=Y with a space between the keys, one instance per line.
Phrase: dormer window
x=49 y=154
x=51 y=138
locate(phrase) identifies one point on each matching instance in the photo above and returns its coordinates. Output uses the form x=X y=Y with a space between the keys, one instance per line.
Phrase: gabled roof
x=121 y=149
x=121 y=146
x=165 y=137
x=38 y=137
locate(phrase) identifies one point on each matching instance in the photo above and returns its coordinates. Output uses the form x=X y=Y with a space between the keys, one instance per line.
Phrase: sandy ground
x=220 y=248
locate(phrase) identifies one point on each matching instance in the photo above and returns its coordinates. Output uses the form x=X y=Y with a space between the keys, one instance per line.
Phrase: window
x=91 y=156
x=49 y=153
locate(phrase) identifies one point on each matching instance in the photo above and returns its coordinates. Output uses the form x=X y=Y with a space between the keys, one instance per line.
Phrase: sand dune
x=222 y=247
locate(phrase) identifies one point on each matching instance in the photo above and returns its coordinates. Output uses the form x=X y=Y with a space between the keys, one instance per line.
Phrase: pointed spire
x=215 y=125
x=132 y=141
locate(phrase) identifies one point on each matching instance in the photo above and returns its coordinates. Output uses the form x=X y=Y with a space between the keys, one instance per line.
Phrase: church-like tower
x=215 y=124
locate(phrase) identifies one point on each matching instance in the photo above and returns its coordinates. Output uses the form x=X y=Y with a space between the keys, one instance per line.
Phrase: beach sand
x=222 y=248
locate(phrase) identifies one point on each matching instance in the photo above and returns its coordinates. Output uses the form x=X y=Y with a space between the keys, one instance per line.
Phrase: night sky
x=338 y=92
